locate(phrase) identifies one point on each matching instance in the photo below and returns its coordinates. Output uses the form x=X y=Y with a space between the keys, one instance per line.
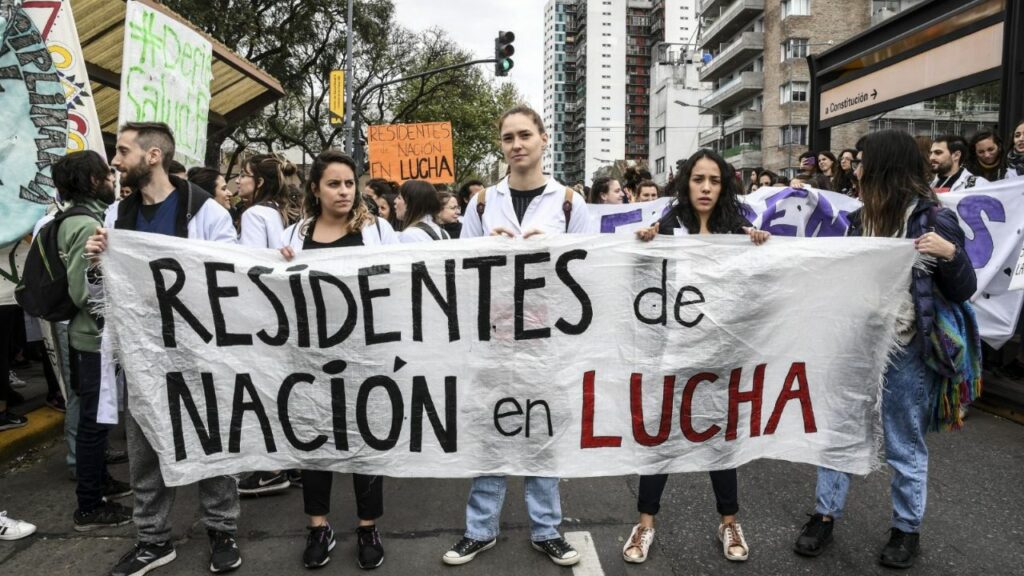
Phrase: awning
x=239 y=88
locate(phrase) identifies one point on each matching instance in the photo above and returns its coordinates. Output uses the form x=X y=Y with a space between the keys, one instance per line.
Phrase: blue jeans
x=906 y=408
x=486 y=497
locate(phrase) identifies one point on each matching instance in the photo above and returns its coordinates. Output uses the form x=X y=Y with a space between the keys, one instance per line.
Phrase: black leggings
x=316 y=494
x=723 y=482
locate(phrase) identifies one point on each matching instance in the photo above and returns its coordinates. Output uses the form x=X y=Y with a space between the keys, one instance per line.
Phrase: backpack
x=43 y=289
x=430 y=231
x=481 y=206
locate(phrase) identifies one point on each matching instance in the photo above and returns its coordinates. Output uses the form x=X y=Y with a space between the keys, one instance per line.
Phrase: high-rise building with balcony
x=555 y=73
x=758 y=69
x=675 y=121
x=609 y=79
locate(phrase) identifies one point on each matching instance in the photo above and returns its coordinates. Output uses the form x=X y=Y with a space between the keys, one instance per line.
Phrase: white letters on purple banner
x=992 y=217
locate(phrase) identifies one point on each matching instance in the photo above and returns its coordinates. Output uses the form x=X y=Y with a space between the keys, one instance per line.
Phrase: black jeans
x=9 y=315
x=723 y=482
x=91 y=443
x=316 y=494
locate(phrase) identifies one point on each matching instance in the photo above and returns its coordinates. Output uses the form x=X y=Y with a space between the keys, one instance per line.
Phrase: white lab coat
x=544 y=213
x=374 y=234
x=963 y=182
x=414 y=234
x=261 y=227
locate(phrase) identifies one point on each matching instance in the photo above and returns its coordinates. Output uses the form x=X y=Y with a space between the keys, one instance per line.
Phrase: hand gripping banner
x=565 y=356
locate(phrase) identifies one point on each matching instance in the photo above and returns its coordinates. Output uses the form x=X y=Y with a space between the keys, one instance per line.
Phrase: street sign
x=947 y=63
x=337 y=102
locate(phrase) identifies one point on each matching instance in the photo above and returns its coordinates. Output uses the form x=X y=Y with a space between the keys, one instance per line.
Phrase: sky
x=475 y=23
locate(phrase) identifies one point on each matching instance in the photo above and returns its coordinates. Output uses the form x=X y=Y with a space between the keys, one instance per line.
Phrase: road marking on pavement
x=590 y=564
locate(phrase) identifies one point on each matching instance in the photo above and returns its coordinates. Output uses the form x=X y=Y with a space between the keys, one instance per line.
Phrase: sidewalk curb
x=43 y=424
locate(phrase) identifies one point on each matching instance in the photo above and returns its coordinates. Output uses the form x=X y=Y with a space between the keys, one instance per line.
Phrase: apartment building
x=602 y=72
x=556 y=15
x=675 y=121
x=760 y=82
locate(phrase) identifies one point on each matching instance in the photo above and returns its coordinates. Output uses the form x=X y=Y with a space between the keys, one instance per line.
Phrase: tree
x=300 y=42
x=463 y=96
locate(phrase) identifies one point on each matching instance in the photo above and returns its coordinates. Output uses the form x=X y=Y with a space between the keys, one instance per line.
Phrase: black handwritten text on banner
x=564 y=356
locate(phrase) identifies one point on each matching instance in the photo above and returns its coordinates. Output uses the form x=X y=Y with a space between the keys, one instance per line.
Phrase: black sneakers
x=9 y=420
x=224 y=555
x=815 y=535
x=260 y=483
x=560 y=551
x=319 y=544
x=113 y=456
x=115 y=489
x=106 y=515
x=900 y=550
x=371 y=551
x=465 y=550
x=143 y=558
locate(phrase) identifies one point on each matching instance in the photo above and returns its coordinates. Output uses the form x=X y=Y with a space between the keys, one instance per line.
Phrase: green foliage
x=300 y=42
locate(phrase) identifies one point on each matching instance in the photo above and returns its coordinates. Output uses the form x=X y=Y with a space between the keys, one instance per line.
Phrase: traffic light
x=503 y=48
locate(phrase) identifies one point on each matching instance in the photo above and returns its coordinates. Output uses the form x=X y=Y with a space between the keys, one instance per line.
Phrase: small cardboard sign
x=400 y=152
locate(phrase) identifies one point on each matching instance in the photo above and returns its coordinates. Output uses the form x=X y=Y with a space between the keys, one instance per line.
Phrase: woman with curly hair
x=707 y=202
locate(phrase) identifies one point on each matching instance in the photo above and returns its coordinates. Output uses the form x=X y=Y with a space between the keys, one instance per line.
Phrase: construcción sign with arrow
x=944 y=65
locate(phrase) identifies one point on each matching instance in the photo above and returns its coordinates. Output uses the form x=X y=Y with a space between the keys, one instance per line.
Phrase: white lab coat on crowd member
x=964 y=182
x=544 y=213
x=377 y=233
x=261 y=227
x=414 y=233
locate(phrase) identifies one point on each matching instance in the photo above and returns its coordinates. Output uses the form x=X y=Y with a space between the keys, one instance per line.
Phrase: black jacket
x=190 y=199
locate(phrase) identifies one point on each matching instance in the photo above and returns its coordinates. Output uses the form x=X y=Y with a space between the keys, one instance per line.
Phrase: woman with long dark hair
x=986 y=156
x=418 y=202
x=898 y=203
x=336 y=217
x=707 y=202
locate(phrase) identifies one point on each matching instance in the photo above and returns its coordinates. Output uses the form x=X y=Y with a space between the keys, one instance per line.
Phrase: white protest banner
x=56 y=23
x=578 y=355
x=165 y=77
x=992 y=217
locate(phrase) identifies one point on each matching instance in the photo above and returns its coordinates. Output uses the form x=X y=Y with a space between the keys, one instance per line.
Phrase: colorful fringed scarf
x=955 y=354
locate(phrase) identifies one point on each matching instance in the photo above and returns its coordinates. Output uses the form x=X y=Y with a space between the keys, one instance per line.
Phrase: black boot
x=900 y=550
x=815 y=535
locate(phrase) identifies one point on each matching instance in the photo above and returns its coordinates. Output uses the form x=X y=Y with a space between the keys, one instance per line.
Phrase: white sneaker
x=640 y=538
x=731 y=536
x=11 y=529
x=16 y=382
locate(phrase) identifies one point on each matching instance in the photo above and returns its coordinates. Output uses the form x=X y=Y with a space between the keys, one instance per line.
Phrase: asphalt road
x=974 y=523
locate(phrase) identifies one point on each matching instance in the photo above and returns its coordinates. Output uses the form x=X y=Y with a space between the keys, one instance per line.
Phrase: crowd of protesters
x=272 y=206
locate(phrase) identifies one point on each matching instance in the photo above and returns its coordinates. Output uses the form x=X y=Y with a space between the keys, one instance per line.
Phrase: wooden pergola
x=238 y=90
